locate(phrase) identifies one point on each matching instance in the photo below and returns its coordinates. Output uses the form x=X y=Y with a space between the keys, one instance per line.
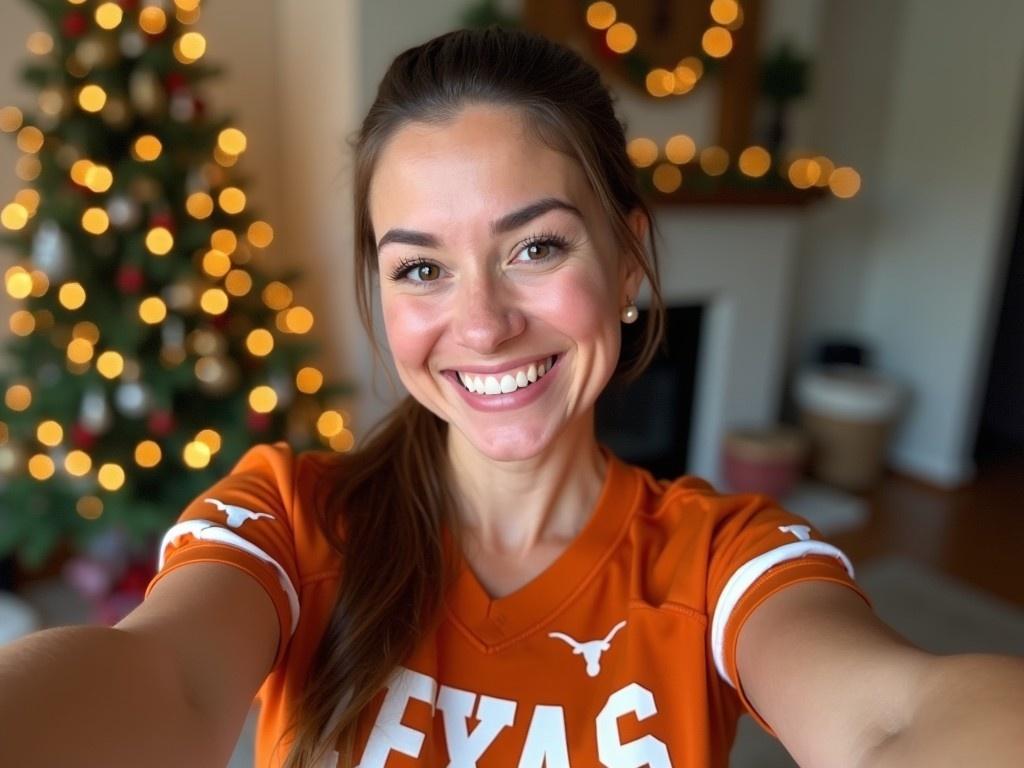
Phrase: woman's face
x=496 y=261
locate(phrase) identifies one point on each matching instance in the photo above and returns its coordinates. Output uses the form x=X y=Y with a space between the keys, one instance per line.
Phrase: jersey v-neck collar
x=494 y=623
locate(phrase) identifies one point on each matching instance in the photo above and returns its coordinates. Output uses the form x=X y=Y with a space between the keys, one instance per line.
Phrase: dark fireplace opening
x=648 y=422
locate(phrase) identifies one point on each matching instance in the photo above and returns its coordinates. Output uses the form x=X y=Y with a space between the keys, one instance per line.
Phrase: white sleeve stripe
x=207 y=530
x=750 y=572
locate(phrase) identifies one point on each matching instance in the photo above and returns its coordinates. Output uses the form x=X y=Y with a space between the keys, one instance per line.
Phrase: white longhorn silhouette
x=802 y=532
x=592 y=649
x=237 y=515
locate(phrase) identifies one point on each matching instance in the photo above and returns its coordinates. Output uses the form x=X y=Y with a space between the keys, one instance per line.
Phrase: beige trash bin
x=848 y=414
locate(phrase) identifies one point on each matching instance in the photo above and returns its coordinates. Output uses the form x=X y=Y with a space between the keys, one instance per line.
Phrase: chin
x=511 y=443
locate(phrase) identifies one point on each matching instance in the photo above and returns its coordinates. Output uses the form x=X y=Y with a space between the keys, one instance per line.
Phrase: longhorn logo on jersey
x=592 y=649
x=802 y=532
x=237 y=516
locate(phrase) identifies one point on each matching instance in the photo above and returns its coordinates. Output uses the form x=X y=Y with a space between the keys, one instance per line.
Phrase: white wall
x=933 y=119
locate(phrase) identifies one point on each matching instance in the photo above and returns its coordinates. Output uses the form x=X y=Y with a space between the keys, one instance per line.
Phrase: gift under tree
x=155 y=336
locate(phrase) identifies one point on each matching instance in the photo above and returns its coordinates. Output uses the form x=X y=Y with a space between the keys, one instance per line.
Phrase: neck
x=510 y=508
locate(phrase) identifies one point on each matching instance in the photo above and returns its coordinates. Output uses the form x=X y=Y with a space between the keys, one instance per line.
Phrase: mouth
x=505 y=382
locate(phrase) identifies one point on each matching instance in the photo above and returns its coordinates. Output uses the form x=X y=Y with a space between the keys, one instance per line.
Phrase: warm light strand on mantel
x=801 y=170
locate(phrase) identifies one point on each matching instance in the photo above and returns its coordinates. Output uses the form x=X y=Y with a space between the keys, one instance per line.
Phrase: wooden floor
x=974 y=534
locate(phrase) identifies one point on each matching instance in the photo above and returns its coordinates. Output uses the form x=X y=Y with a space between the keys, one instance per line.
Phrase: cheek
x=412 y=326
x=580 y=304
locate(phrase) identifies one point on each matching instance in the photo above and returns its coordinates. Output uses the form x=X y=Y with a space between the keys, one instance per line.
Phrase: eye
x=422 y=271
x=540 y=247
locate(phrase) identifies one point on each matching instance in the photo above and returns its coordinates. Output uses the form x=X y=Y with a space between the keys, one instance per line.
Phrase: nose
x=485 y=313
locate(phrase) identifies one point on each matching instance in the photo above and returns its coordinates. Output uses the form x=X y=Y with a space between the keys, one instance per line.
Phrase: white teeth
x=491 y=385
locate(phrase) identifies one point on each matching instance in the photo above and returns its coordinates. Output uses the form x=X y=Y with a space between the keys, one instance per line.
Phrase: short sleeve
x=758 y=548
x=244 y=520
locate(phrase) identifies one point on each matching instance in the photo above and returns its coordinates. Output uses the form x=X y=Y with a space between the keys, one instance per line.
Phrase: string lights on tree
x=155 y=338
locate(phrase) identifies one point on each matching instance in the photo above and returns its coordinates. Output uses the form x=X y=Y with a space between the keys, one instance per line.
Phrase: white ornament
x=51 y=251
x=95 y=411
x=183 y=107
x=132 y=399
x=133 y=44
x=283 y=387
x=196 y=181
x=123 y=212
x=172 y=332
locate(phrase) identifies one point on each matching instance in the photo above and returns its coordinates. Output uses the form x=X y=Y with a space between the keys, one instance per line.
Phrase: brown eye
x=543 y=248
x=426 y=272
x=532 y=250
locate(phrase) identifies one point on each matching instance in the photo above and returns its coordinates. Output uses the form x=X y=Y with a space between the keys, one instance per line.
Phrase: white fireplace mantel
x=738 y=263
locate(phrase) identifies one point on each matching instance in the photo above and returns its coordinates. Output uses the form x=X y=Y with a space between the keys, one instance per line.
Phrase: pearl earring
x=630 y=313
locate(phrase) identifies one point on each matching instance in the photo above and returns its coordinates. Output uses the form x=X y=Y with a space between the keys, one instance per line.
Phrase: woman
x=483 y=583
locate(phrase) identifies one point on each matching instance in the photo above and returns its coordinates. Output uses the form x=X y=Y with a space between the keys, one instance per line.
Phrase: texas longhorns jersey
x=620 y=654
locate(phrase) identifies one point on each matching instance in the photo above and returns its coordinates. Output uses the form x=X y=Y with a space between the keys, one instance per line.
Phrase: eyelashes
x=551 y=240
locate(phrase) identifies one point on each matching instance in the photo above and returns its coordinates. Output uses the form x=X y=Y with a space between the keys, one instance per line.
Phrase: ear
x=631 y=274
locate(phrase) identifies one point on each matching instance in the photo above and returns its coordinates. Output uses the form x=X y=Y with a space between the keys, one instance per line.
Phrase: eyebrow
x=506 y=223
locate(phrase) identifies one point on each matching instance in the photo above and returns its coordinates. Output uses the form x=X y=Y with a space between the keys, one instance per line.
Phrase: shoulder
x=689 y=502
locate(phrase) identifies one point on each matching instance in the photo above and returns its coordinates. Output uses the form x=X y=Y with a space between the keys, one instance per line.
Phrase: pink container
x=768 y=461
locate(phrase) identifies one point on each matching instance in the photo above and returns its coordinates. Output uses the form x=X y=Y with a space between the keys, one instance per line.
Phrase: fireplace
x=735 y=268
x=648 y=422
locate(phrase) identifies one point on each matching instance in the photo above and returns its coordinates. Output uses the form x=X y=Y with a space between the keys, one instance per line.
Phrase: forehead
x=481 y=164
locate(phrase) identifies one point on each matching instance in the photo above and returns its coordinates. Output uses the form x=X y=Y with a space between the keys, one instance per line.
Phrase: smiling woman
x=483 y=583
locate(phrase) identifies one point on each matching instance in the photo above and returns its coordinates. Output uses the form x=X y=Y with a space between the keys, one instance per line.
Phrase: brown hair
x=392 y=496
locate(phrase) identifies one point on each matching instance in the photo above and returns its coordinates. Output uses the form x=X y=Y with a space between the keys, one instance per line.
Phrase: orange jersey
x=621 y=654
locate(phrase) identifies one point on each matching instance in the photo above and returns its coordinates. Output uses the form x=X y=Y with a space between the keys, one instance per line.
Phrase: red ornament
x=175 y=81
x=257 y=422
x=74 y=24
x=81 y=437
x=130 y=279
x=128 y=5
x=162 y=219
x=160 y=423
x=200 y=107
x=221 y=321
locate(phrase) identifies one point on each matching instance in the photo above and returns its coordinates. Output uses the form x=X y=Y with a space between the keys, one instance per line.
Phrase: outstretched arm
x=970 y=712
x=840 y=687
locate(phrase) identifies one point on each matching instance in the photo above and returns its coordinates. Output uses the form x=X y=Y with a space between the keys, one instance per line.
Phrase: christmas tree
x=153 y=342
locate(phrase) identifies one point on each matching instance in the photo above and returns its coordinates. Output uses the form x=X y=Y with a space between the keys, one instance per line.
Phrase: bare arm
x=94 y=696
x=970 y=712
x=840 y=687
x=170 y=685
